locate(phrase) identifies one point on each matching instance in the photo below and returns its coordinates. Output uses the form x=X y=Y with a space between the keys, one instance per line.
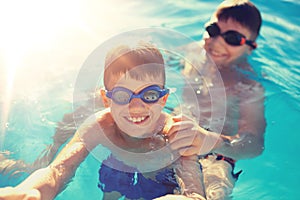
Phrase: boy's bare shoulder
x=104 y=116
x=105 y=120
x=247 y=84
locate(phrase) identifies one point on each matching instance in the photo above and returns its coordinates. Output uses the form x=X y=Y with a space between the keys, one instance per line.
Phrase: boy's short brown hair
x=145 y=59
x=241 y=11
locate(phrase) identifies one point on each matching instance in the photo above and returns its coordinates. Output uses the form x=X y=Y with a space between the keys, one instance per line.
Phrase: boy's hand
x=188 y=138
x=179 y=197
x=11 y=193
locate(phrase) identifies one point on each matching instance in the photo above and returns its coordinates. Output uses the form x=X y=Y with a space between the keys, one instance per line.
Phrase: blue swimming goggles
x=122 y=96
x=232 y=38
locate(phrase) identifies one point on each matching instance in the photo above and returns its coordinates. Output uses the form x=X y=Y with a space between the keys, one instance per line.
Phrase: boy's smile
x=137 y=120
x=134 y=113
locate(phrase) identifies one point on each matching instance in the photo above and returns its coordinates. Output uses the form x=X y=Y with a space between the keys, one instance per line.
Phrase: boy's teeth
x=136 y=119
x=215 y=53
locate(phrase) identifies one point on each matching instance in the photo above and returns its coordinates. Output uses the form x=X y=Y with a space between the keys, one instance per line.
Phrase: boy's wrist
x=222 y=142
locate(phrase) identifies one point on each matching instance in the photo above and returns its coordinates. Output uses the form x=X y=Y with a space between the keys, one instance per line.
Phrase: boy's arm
x=46 y=183
x=51 y=180
x=249 y=141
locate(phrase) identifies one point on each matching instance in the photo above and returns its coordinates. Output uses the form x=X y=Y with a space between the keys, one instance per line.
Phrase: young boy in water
x=139 y=135
x=229 y=40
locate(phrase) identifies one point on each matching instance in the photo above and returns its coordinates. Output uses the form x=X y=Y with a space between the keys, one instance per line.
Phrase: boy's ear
x=164 y=99
x=251 y=49
x=105 y=100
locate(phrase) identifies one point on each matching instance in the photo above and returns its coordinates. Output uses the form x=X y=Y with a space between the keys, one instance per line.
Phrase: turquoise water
x=50 y=56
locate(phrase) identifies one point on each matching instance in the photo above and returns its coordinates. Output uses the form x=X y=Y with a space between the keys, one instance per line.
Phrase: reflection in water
x=7 y=94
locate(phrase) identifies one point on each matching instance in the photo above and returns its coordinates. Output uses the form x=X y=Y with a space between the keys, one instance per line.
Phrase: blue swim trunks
x=133 y=184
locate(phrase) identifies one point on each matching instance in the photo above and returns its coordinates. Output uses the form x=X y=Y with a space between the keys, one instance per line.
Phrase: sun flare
x=38 y=37
x=27 y=27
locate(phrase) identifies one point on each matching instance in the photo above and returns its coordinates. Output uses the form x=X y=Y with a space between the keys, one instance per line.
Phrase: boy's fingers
x=183 y=136
x=174 y=197
x=184 y=142
x=188 y=151
x=179 y=118
x=33 y=195
x=11 y=193
x=179 y=127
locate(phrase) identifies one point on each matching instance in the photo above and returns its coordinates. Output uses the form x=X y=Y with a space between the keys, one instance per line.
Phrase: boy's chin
x=141 y=135
x=138 y=133
x=224 y=65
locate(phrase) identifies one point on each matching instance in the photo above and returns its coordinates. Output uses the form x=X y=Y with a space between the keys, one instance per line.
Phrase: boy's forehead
x=233 y=22
x=146 y=73
x=230 y=20
x=133 y=84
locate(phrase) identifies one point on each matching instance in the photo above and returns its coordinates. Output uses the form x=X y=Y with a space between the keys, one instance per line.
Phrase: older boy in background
x=229 y=40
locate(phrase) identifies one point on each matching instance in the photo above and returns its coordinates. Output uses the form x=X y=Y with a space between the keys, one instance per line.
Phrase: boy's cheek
x=207 y=41
x=249 y=51
x=157 y=107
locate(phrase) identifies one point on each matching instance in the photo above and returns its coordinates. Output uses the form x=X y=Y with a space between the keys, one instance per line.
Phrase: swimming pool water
x=43 y=84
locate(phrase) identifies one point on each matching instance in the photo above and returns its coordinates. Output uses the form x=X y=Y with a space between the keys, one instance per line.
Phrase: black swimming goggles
x=233 y=38
x=122 y=96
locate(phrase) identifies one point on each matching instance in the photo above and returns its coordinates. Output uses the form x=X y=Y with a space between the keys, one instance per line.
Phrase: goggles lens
x=122 y=96
x=232 y=38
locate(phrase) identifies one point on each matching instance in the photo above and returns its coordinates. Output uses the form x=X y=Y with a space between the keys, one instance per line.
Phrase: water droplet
x=172 y=157
x=210 y=85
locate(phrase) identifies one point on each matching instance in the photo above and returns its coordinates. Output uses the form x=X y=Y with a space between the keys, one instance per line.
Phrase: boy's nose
x=218 y=40
x=136 y=102
x=215 y=43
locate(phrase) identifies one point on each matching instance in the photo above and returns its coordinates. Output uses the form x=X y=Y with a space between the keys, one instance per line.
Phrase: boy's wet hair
x=144 y=60
x=241 y=11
